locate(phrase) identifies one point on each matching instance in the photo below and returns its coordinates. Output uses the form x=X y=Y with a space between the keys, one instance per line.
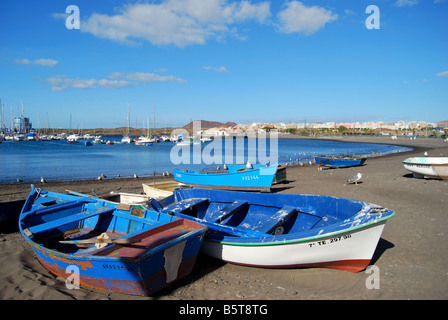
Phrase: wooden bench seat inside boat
x=40 y=228
x=231 y=209
x=276 y=220
x=149 y=239
x=52 y=206
x=186 y=204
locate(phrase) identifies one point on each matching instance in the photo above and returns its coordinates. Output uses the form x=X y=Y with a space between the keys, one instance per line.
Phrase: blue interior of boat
x=262 y=214
x=50 y=218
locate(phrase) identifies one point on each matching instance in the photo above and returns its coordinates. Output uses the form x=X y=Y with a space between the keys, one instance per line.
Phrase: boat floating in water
x=113 y=247
x=339 y=161
x=427 y=167
x=282 y=230
x=235 y=177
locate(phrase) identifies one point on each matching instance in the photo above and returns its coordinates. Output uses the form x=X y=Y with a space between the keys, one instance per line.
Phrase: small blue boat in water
x=282 y=230
x=113 y=247
x=257 y=177
x=339 y=161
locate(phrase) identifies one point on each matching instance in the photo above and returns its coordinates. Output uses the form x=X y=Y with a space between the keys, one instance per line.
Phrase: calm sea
x=59 y=160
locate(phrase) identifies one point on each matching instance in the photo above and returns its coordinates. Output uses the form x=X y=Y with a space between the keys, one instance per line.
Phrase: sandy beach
x=411 y=256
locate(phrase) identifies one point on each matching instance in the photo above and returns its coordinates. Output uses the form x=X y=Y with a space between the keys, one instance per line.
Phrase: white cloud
x=402 y=3
x=217 y=69
x=59 y=83
x=178 y=22
x=116 y=80
x=145 y=77
x=296 y=17
x=42 y=62
x=443 y=74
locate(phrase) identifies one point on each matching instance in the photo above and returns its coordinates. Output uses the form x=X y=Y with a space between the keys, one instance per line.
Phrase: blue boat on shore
x=108 y=246
x=339 y=161
x=282 y=230
x=258 y=177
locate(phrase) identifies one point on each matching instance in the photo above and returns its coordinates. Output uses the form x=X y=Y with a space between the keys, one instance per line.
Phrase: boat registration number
x=250 y=178
x=330 y=241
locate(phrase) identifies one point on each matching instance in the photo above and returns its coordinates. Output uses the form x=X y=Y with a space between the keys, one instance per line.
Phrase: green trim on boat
x=305 y=239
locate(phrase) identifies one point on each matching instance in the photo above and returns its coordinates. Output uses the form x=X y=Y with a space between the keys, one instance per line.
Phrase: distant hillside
x=210 y=124
x=443 y=124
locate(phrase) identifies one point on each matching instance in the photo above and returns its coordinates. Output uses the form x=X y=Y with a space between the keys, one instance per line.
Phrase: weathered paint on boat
x=161 y=248
x=283 y=230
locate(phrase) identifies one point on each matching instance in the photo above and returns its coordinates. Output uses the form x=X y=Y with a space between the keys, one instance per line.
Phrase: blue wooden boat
x=282 y=230
x=235 y=177
x=114 y=247
x=339 y=161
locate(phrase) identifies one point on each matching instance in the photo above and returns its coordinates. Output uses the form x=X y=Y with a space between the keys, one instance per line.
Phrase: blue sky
x=224 y=60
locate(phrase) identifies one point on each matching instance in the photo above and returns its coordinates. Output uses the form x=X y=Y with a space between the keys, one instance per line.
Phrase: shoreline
x=410 y=254
x=366 y=139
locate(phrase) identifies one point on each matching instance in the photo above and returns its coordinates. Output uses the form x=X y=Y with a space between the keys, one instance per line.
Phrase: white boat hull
x=350 y=251
x=436 y=168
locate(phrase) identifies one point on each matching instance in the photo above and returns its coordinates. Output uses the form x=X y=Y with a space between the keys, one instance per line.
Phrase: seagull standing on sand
x=355 y=179
x=42 y=180
x=425 y=154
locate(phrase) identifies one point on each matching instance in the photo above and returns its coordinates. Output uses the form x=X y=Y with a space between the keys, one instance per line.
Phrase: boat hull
x=427 y=167
x=339 y=162
x=256 y=179
x=147 y=250
x=284 y=230
x=143 y=278
x=348 y=251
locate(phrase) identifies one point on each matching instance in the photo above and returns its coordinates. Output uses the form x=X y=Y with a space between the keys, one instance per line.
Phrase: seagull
x=425 y=154
x=19 y=181
x=100 y=178
x=249 y=165
x=135 y=175
x=42 y=180
x=103 y=175
x=355 y=179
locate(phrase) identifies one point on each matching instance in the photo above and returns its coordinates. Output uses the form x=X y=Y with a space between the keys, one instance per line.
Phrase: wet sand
x=411 y=255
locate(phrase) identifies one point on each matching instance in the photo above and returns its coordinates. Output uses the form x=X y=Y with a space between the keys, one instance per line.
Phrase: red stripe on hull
x=344 y=265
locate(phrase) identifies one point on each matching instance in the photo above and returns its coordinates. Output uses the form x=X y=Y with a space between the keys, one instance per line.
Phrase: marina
x=31 y=160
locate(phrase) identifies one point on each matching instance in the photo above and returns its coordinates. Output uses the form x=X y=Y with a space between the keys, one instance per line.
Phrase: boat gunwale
x=277 y=241
x=101 y=259
x=417 y=161
x=340 y=157
x=193 y=231
x=270 y=240
x=249 y=170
